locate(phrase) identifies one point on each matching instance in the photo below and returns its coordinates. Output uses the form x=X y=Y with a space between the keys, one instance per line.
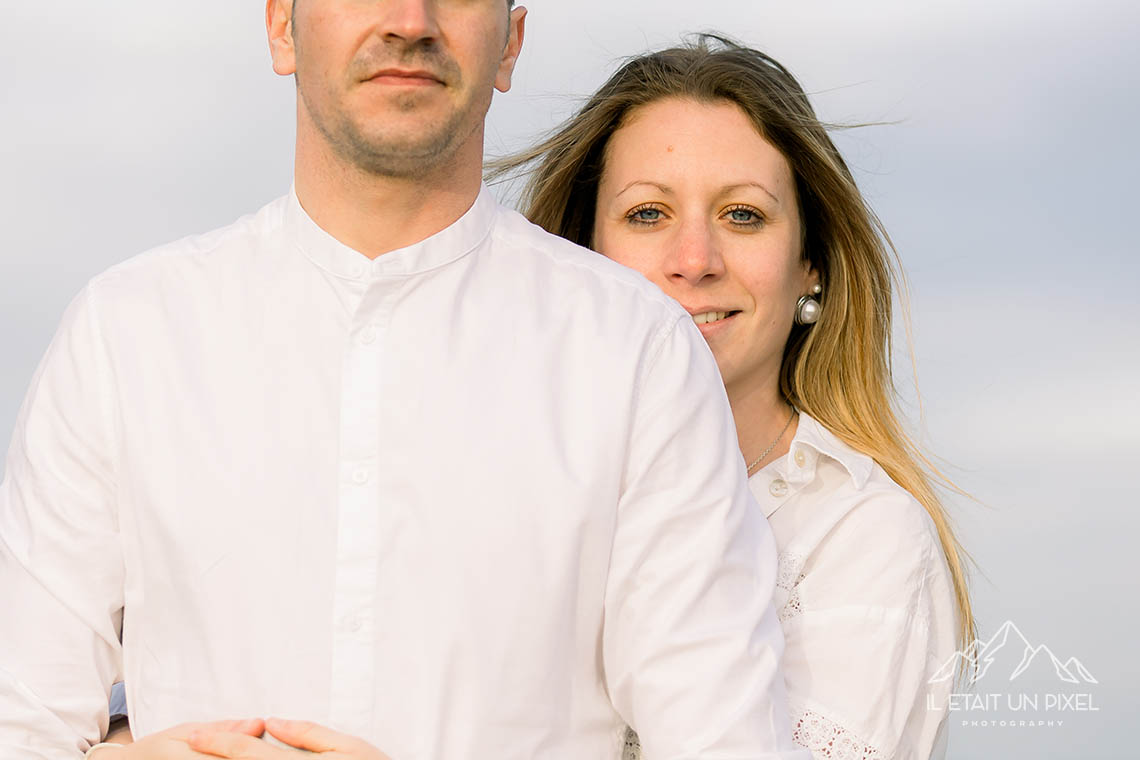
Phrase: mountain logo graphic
x=1008 y=646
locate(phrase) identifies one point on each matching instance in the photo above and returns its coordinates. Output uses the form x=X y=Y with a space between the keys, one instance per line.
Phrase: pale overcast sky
x=1006 y=181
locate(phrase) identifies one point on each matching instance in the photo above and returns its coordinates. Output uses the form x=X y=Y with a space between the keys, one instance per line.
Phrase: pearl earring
x=808 y=308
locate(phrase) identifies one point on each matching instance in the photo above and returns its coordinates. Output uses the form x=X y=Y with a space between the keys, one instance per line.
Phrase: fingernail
x=195 y=736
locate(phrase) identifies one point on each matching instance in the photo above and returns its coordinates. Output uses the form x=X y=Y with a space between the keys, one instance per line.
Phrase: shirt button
x=800 y=457
x=360 y=477
x=358 y=271
x=368 y=336
x=354 y=625
x=778 y=488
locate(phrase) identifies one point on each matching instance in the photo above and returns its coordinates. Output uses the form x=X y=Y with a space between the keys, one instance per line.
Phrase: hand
x=120 y=735
x=173 y=743
x=236 y=745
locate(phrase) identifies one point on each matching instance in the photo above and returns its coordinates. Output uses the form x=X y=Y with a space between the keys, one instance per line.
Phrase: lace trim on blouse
x=789 y=574
x=632 y=746
x=827 y=739
x=824 y=737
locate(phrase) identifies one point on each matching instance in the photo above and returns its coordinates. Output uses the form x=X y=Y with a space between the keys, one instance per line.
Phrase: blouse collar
x=774 y=484
x=444 y=247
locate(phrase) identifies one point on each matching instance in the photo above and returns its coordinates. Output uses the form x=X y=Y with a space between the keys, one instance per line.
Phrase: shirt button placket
x=359 y=518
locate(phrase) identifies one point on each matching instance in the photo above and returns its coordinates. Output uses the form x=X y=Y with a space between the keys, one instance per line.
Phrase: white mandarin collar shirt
x=865 y=599
x=480 y=497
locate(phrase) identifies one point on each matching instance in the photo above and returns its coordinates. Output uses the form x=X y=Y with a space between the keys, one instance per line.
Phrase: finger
x=250 y=726
x=229 y=744
x=305 y=735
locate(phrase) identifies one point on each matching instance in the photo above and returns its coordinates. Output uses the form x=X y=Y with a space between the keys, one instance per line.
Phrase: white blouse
x=865 y=599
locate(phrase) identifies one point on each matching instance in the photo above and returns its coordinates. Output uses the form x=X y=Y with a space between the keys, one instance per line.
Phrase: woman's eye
x=645 y=215
x=745 y=216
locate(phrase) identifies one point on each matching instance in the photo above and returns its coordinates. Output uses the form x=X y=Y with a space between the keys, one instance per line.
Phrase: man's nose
x=696 y=256
x=412 y=21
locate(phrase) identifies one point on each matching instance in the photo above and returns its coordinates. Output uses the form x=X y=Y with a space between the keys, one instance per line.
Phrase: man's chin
x=406 y=157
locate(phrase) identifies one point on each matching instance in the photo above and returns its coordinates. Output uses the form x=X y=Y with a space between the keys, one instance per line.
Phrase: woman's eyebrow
x=663 y=188
x=667 y=190
x=740 y=185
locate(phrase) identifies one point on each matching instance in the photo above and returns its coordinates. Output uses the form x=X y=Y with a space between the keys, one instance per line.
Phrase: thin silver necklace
x=771 y=446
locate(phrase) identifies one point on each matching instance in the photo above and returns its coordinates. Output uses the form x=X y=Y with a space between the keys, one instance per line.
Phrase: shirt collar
x=774 y=484
x=447 y=245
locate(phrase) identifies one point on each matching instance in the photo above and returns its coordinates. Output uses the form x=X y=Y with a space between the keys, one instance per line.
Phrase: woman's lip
x=712 y=328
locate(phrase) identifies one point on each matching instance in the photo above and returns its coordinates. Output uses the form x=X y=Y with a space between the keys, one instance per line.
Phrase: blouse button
x=800 y=457
x=368 y=336
x=778 y=488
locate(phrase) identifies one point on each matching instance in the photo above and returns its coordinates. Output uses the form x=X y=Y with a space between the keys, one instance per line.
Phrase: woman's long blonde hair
x=837 y=370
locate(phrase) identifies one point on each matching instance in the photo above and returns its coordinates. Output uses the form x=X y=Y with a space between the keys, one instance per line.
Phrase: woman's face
x=696 y=200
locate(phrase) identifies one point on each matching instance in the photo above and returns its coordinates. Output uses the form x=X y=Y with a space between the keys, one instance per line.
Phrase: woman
x=705 y=168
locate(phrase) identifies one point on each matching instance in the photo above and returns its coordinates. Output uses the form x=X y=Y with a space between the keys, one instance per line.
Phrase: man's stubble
x=372 y=149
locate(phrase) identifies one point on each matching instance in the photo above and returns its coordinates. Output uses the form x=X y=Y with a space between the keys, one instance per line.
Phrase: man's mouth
x=405 y=77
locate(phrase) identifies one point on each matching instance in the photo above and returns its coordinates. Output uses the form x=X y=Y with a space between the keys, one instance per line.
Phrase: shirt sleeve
x=869 y=621
x=61 y=568
x=691 y=642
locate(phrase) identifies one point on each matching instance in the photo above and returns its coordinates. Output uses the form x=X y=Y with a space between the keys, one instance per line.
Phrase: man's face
x=396 y=87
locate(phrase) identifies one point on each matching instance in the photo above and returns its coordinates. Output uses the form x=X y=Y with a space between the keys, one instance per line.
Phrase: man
x=385 y=457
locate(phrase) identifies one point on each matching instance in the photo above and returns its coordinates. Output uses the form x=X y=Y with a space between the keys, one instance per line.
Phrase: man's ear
x=279 y=26
x=512 y=50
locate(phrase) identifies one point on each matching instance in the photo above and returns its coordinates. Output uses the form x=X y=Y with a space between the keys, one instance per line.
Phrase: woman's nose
x=696 y=256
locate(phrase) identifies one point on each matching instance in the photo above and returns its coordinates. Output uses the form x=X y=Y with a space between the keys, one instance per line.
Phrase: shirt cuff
x=101 y=745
